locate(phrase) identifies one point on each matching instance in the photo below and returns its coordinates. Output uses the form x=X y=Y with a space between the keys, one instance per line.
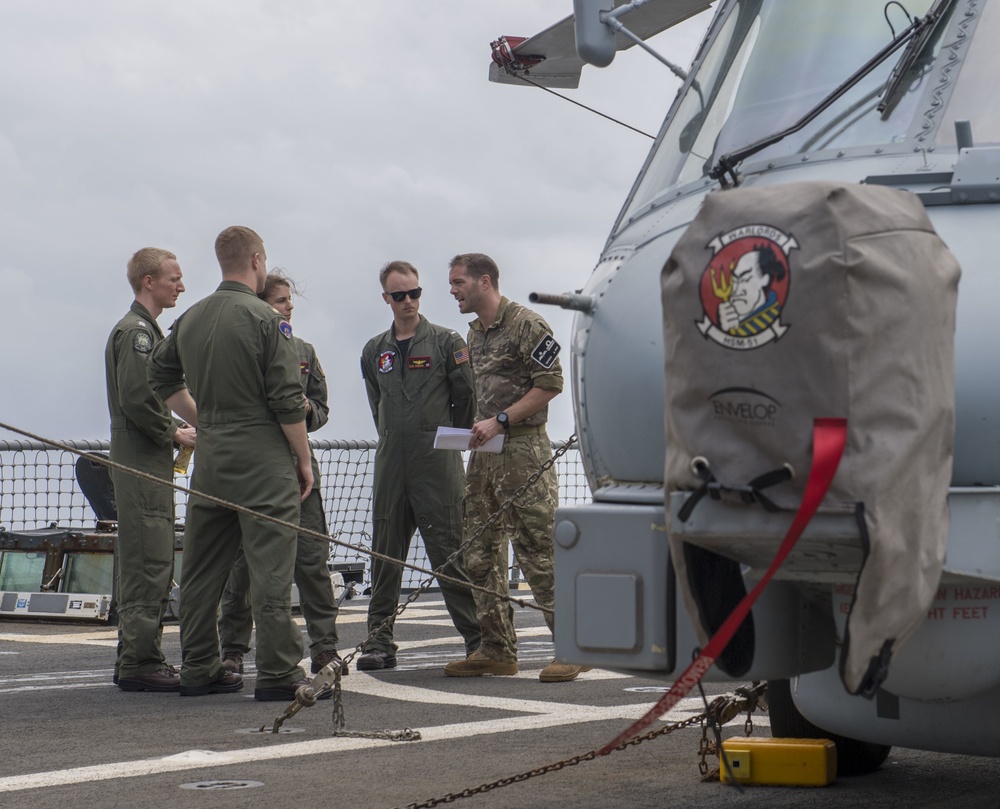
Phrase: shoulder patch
x=546 y=351
x=462 y=355
x=285 y=328
x=317 y=369
x=142 y=342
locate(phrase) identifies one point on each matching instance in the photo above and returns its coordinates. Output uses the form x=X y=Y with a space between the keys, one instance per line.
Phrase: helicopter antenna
x=589 y=109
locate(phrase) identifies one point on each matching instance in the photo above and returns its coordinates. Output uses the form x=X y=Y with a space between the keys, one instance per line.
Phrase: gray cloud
x=346 y=134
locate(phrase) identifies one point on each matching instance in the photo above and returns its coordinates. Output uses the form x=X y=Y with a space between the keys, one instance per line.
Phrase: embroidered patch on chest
x=418 y=363
x=142 y=342
x=304 y=367
x=546 y=351
x=386 y=361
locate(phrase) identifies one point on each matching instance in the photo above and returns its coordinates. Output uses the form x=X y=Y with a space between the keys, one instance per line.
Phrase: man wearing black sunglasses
x=418 y=378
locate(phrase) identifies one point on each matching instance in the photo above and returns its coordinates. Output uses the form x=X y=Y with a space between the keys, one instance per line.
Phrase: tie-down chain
x=326 y=679
x=721 y=710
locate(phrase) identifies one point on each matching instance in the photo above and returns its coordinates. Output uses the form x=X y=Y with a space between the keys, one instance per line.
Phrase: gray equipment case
x=786 y=304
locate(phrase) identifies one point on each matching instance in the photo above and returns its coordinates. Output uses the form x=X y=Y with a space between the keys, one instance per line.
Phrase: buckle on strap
x=749 y=494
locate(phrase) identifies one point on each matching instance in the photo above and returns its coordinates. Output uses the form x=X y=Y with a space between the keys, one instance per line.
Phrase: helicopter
x=896 y=95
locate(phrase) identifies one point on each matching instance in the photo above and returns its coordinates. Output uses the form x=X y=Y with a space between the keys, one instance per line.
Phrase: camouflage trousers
x=526 y=526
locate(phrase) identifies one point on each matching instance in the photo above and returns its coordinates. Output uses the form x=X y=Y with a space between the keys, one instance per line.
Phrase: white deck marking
x=200 y=759
x=529 y=714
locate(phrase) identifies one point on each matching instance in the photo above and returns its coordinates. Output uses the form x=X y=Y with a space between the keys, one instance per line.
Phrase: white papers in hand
x=457 y=438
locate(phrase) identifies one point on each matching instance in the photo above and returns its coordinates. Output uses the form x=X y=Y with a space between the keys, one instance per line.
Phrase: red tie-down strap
x=829 y=440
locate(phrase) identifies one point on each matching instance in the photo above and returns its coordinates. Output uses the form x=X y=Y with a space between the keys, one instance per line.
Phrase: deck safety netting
x=38 y=488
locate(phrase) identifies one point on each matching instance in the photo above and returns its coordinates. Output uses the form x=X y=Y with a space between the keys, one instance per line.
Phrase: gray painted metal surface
x=940 y=139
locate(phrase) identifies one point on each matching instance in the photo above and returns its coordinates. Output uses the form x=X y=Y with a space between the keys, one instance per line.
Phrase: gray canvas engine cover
x=786 y=304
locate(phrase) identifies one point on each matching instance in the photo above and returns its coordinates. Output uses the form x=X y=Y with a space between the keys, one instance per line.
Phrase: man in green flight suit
x=418 y=378
x=312 y=576
x=142 y=437
x=235 y=355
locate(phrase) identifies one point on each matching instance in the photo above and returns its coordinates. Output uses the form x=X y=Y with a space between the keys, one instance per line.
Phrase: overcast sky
x=346 y=134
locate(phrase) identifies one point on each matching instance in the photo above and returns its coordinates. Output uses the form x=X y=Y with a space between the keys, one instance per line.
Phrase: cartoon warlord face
x=745 y=286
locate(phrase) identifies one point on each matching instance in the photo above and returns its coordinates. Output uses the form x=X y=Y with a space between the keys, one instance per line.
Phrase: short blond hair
x=147 y=261
x=403 y=267
x=235 y=246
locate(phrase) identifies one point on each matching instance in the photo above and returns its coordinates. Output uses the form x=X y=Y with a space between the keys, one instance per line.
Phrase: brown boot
x=233 y=661
x=557 y=672
x=477 y=664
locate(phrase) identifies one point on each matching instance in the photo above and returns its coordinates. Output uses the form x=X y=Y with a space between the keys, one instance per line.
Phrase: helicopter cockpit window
x=774 y=60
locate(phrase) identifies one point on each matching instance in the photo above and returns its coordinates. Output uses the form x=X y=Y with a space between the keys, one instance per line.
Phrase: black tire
x=854 y=757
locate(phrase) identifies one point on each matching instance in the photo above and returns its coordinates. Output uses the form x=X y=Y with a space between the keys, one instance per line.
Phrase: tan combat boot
x=557 y=672
x=478 y=664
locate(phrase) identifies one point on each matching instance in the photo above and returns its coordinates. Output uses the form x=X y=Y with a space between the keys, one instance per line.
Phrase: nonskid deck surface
x=69 y=735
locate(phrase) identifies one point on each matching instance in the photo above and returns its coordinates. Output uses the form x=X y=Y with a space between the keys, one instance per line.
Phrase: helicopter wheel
x=854 y=757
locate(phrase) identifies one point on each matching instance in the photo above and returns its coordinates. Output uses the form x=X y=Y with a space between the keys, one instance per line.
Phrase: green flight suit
x=415 y=485
x=142 y=433
x=312 y=576
x=236 y=356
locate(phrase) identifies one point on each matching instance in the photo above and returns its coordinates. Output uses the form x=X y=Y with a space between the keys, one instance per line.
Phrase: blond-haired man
x=142 y=437
x=418 y=378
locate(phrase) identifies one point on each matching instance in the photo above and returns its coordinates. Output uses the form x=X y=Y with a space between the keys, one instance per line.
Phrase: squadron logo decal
x=745 y=286
x=142 y=342
x=386 y=362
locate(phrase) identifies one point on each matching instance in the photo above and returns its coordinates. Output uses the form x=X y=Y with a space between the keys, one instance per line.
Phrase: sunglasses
x=399 y=297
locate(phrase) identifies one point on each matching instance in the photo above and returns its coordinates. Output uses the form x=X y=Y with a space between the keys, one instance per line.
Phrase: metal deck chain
x=325 y=679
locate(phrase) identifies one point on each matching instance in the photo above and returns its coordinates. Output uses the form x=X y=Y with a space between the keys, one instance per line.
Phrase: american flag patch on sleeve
x=462 y=356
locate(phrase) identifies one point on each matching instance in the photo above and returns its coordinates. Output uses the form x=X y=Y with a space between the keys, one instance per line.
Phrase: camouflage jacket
x=515 y=354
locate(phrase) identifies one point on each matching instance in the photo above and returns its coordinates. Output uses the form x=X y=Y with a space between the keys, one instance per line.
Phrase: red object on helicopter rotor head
x=503 y=54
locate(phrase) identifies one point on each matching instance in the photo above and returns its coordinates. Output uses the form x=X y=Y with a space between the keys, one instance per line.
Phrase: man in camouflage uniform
x=235 y=355
x=515 y=360
x=418 y=378
x=142 y=437
x=312 y=576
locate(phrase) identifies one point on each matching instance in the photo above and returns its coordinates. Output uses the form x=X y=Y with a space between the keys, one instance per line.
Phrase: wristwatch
x=504 y=420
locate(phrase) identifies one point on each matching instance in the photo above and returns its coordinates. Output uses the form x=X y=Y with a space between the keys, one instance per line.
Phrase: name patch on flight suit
x=304 y=368
x=546 y=351
x=286 y=329
x=386 y=361
x=419 y=363
x=142 y=342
